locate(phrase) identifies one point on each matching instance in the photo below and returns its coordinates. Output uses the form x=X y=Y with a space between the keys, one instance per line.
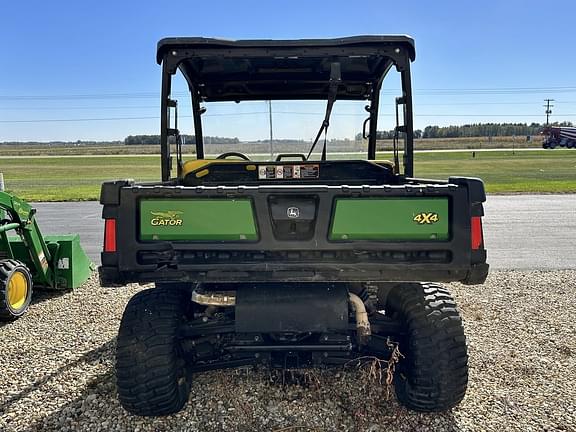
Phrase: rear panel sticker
x=426 y=218
x=391 y=219
x=197 y=220
x=288 y=172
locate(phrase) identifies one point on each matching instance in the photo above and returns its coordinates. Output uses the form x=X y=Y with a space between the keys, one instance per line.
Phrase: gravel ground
x=57 y=371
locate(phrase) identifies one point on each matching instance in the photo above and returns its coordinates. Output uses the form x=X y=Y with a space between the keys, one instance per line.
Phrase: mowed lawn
x=505 y=171
x=79 y=178
x=72 y=178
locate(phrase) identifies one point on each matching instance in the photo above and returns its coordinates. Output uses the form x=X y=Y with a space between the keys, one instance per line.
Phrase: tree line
x=469 y=130
x=473 y=130
x=486 y=129
x=483 y=130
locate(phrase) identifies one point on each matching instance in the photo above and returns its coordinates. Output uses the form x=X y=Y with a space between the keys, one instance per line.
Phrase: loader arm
x=55 y=261
x=21 y=219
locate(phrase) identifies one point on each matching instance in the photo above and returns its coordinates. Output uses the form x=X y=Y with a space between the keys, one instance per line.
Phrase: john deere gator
x=290 y=253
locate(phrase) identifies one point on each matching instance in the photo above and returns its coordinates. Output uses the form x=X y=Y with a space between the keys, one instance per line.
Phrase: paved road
x=531 y=231
x=83 y=217
x=522 y=231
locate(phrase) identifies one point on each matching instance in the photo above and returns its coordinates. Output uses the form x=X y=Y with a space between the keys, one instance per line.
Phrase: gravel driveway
x=57 y=372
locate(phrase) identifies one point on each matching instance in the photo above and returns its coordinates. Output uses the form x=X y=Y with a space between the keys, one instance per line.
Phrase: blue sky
x=516 y=52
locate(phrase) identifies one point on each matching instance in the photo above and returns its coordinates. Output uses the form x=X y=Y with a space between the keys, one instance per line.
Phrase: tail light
x=476 y=234
x=110 y=235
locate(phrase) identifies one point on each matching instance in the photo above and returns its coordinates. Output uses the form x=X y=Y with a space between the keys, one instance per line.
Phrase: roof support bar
x=165 y=158
x=372 y=133
x=197 y=113
x=408 y=121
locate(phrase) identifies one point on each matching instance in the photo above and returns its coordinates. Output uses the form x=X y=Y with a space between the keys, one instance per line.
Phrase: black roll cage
x=395 y=51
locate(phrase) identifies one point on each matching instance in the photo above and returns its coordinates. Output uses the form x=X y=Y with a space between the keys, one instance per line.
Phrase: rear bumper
x=111 y=276
x=477 y=274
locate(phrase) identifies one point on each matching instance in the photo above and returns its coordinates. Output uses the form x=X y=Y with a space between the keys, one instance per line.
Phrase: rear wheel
x=15 y=289
x=151 y=373
x=433 y=376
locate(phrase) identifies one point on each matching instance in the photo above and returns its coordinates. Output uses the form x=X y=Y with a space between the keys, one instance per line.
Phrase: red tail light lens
x=110 y=235
x=477 y=239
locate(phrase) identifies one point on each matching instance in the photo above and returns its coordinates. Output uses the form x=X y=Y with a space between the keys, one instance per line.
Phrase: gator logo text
x=426 y=218
x=166 y=218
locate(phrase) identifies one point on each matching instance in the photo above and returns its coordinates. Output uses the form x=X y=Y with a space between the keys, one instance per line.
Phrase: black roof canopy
x=226 y=70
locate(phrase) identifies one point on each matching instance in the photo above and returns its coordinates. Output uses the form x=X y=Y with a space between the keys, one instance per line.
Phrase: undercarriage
x=175 y=330
x=289 y=326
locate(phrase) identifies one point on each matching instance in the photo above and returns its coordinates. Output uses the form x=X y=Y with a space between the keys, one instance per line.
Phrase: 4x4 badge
x=426 y=218
x=293 y=212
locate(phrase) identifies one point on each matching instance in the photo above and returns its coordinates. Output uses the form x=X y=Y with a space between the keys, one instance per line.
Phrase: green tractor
x=285 y=252
x=55 y=262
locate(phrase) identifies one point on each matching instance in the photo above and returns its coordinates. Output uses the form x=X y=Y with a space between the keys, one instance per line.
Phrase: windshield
x=264 y=129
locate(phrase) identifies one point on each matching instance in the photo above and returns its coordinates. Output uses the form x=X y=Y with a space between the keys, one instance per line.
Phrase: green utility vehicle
x=55 y=262
x=303 y=252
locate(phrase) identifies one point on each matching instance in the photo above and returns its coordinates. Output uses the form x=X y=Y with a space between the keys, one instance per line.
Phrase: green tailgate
x=393 y=219
x=197 y=219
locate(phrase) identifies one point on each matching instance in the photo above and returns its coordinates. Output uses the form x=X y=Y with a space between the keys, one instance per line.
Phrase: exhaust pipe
x=363 y=331
x=215 y=298
x=223 y=299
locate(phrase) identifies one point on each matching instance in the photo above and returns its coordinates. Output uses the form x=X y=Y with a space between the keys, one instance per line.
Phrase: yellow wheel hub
x=17 y=290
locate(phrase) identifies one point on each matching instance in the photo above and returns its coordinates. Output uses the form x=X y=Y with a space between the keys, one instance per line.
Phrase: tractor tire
x=15 y=289
x=433 y=375
x=151 y=374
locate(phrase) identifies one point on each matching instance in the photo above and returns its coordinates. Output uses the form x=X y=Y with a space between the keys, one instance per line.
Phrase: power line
x=82 y=96
x=78 y=120
x=122 y=118
x=487 y=103
x=157 y=107
x=69 y=108
x=265 y=112
x=489 y=115
x=424 y=91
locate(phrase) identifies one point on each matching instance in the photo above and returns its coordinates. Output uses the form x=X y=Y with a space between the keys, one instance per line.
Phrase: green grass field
x=79 y=178
x=72 y=178
x=546 y=171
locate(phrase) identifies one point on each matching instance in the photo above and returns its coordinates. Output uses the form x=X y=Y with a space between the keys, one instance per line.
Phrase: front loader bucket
x=70 y=264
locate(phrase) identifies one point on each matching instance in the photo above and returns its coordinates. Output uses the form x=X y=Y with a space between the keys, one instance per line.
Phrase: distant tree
x=482 y=130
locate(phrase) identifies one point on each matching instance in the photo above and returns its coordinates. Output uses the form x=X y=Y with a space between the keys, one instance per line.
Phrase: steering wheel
x=233 y=154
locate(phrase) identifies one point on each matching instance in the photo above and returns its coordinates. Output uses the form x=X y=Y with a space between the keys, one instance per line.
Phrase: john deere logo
x=166 y=218
x=426 y=218
x=293 y=212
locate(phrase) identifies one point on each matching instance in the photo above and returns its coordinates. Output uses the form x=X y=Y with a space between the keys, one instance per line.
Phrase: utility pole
x=548 y=107
x=271 y=133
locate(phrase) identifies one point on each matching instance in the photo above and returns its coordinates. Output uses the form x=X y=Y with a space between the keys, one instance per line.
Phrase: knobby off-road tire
x=433 y=376
x=15 y=289
x=151 y=373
